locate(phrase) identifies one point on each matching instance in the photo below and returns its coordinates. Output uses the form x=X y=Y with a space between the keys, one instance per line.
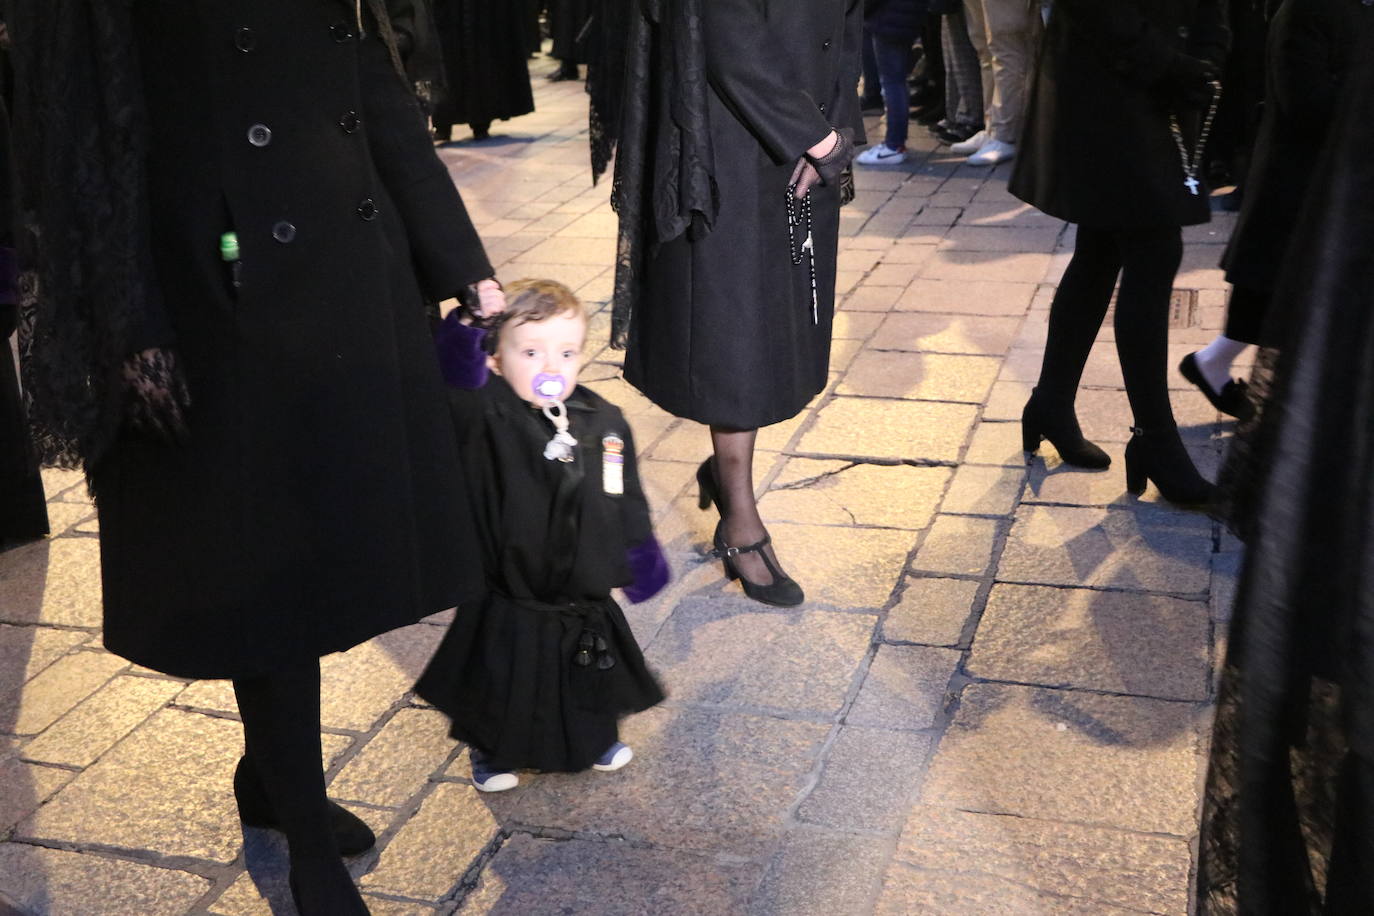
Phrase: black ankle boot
x=1061 y=428
x=1159 y=455
x=350 y=832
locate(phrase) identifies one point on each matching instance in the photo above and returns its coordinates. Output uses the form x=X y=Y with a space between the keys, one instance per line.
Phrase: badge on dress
x=613 y=465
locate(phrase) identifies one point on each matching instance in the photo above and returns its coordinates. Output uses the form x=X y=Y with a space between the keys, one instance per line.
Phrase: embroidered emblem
x=613 y=465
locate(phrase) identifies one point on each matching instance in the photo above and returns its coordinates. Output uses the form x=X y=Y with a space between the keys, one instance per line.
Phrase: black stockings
x=281 y=732
x=741 y=524
x=1147 y=261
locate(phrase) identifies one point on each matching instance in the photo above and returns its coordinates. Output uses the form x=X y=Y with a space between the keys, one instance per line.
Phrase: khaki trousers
x=1004 y=32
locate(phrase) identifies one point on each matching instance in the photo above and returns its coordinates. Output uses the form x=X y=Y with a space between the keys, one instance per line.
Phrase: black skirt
x=539 y=686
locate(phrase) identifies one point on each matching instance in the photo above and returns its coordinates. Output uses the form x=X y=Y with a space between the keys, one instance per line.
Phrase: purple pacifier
x=550 y=387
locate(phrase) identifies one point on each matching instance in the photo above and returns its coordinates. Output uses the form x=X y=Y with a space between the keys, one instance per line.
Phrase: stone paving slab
x=926 y=332
x=1144 y=645
x=702 y=781
x=921 y=376
x=1057 y=545
x=869 y=778
x=957 y=862
x=728 y=651
x=889 y=429
x=932 y=611
x=905 y=688
x=1132 y=762
x=37 y=880
x=845 y=493
x=531 y=876
x=54 y=582
x=434 y=850
x=101 y=720
x=821 y=873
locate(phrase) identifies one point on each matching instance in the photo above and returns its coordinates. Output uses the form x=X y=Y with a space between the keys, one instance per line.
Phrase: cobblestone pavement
x=994 y=701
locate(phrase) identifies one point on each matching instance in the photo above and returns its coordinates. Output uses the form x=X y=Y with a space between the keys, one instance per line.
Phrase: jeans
x=894 y=65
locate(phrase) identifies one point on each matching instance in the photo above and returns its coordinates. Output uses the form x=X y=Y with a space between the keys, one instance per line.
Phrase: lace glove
x=1190 y=81
x=156 y=396
x=824 y=170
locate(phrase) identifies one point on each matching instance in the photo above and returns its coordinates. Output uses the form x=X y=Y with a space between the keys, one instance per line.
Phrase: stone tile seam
x=1202 y=704
x=1038 y=891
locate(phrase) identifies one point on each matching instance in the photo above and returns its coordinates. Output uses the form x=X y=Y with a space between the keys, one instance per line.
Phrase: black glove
x=825 y=170
x=156 y=396
x=1190 y=81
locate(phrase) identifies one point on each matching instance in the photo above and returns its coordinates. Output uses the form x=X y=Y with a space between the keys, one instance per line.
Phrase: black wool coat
x=1313 y=46
x=484 y=49
x=316 y=504
x=1097 y=147
x=723 y=332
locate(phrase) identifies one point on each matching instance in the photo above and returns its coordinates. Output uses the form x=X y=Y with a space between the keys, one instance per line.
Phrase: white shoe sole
x=501 y=782
x=622 y=757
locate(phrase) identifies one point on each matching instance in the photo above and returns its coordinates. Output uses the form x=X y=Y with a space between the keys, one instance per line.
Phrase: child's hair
x=533 y=300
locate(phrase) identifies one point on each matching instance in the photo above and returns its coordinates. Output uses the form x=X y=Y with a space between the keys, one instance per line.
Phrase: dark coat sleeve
x=1139 y=50
x=847 y=110
x=446 y=250
x=1306 y=70
x=747 y=67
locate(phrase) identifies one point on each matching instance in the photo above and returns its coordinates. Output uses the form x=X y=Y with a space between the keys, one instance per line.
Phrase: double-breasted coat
x=1314 y=46
x=316 y=503
x=724 y=330
x=1097 y=147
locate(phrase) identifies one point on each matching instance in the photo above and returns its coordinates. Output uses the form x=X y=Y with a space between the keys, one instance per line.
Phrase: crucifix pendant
x=1192 y=185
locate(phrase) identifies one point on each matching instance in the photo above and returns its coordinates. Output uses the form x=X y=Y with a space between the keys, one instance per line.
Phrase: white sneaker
x=487 y=779
x=993 y=152
x=616 y=756
x=971 y=145
x=882 y=154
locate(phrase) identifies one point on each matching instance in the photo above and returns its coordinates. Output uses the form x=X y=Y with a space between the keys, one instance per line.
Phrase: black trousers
x=1146 y=261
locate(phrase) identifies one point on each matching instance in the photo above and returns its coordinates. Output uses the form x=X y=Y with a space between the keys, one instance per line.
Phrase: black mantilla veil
x=88 y=291
x=87 y=288
x=653 y=113
x=1288 y=820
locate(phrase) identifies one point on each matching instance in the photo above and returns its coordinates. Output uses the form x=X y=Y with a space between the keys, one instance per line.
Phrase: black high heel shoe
x=1062 y=429
x=783 y=591
x=1159 y=455
x=255 y=810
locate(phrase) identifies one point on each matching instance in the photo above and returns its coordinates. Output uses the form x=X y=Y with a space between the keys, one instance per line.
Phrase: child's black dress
x=538 y=672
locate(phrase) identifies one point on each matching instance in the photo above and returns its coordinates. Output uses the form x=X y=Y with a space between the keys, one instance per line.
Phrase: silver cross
x=1192 y=184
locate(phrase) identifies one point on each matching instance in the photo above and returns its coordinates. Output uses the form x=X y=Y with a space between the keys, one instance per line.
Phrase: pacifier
x=549 y=386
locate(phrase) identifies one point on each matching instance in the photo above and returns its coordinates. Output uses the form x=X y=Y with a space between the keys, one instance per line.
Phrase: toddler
x=537 y=674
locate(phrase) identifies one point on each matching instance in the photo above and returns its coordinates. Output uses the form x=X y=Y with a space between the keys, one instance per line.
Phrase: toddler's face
x=540 y=359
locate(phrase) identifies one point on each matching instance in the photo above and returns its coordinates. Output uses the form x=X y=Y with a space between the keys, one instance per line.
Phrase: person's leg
x=977 y=22
x=1076 y=313
x=872 y=95
x=1011 y=30
x=962 y=75
x=1149 y=262
x=741 y=525
x=281 y=731
x=894 y=62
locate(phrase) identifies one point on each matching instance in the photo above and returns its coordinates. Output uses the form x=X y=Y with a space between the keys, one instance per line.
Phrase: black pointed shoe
x=1061 y=428
x=353 y=836
x=1234 y=397
x=1160 y=455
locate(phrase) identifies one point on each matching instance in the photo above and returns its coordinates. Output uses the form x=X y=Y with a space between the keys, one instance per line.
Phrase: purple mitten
x=649 y=568
x=461 y=357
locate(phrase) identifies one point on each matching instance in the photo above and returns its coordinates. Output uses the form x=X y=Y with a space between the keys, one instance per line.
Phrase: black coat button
x=350 y=121
x=1183 y=31
x=245 y=40
x=825 y=45
x=259 y=135
x=367 y=209
x=822 y=109
x=341 y=32
x=284 y=232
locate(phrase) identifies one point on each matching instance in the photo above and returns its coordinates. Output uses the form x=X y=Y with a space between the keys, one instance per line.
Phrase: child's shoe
x=488 y=779
x=616 y=756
